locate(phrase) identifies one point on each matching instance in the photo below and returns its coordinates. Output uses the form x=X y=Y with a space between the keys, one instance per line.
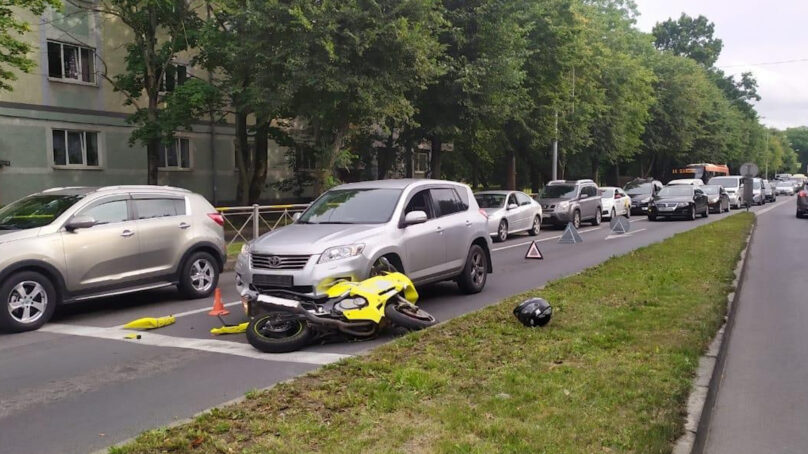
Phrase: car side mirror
x=513 y=206
x=80 y=222
x=414 y=217
x=296 y=216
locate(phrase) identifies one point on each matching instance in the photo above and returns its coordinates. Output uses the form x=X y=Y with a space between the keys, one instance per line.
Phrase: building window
x=421 y=162
x=69 y=62
x=75 y=148
x=176 y=155
x=173 y=76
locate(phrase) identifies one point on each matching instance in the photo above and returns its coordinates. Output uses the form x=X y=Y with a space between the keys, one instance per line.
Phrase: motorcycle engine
x=349 y=304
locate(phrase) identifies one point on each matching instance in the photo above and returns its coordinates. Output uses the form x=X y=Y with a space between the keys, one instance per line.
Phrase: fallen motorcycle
x=284 y=321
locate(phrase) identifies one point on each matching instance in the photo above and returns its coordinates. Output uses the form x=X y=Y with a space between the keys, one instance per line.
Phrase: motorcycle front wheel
x=276 y=332
x=409 y=316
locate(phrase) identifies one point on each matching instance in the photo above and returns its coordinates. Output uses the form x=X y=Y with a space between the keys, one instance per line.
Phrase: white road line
x=623 y=235
x=766 y=210
x=203 y=309
x=539 y=241
x=205 y=345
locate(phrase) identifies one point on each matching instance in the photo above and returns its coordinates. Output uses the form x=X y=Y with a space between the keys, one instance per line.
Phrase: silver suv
x=429 y=229
x=72 y=244
x=571 y=201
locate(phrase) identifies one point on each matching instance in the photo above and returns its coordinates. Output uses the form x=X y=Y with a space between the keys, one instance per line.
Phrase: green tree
x=13 y=51
x=798 y=140
x=689 y=37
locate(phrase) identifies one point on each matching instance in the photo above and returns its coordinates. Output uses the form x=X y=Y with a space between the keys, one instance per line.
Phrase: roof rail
x=62 y=188
x=141 y=187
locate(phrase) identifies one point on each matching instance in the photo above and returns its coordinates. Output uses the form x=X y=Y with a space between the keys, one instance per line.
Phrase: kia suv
x=73 y=244
x=430 y=230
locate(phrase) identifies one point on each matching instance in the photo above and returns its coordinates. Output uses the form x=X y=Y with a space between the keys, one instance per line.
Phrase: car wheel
x=613 y=214
x=475 y=272
x=576 y=219
x=706 y=212
x=199 y=276
x=598 y=217
x=382 y=266
x=692 y=213
x=29 y=301
x=628 y=213
x=536 y=227
x=502 y=231
x=652 y=217
x=799 y=214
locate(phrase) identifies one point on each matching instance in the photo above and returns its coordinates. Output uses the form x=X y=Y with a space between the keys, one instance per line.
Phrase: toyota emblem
x=274 y=261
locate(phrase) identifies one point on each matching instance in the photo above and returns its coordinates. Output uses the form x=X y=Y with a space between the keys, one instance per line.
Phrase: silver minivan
x=73 y=244
x=733 y=184
x=431 y=230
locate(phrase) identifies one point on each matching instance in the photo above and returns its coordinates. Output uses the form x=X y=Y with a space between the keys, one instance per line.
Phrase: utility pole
x=767 y=153
x=555 y=148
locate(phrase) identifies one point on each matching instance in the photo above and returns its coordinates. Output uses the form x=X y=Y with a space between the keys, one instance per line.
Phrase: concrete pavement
x=762 y=401
x=78 y=386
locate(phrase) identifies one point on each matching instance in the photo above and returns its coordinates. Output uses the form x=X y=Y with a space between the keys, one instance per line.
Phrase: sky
x=756 y=34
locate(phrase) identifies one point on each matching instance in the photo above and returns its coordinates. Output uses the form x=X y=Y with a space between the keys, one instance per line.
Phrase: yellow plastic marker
x=132 y=336
x=150 y=322
x=236 y=329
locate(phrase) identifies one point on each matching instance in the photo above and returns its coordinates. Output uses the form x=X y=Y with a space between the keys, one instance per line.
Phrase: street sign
x=750 y=169
x=533 y=251
x=571 y=235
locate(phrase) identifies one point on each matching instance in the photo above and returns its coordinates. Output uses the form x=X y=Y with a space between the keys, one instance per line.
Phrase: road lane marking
x=539 y=241
x=205 y=345
x=623 y=235
x=766 y=210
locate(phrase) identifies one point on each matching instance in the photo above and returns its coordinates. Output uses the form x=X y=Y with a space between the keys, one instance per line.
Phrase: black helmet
x=534 y=312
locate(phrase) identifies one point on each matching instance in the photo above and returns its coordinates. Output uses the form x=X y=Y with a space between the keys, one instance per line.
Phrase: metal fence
x=243 y=224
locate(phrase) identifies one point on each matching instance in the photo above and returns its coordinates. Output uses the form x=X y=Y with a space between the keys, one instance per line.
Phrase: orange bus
x=701 y=171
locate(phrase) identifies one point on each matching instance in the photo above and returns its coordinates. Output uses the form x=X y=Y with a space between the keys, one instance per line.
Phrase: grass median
x=610 y=374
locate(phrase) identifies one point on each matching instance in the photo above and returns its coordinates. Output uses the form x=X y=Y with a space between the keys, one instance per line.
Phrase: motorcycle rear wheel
x=409 y=316
x=269 y=335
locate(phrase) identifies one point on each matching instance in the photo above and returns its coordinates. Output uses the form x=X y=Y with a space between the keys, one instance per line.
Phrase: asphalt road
x=77 y=386
x=762 y=403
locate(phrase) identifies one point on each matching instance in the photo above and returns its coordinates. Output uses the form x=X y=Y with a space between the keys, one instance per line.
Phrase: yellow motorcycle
x=285 y=321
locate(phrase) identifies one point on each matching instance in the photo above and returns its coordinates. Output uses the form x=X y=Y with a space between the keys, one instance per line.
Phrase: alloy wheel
x=202 y=275
x=27 y=302
x=477 y=268
x=502 y=231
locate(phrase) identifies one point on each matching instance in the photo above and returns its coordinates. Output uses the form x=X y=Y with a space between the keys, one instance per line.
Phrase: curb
x=703 y=394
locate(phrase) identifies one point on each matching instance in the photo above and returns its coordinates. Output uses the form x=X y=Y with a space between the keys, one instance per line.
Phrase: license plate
x=667 y=208
x=273 y=280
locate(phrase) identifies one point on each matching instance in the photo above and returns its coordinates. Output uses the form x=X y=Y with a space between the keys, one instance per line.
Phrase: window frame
x=436 y=202
x=96 y=203
x=146 y=197
x=163 y=86
x=163 y=165
x=70 y=80
x=83 y=165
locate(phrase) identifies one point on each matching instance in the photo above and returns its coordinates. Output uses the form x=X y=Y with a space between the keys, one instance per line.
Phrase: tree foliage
x=13 y=51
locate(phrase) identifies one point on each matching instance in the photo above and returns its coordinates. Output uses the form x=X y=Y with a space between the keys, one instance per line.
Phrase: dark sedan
x=717 y=198
x=683 y=201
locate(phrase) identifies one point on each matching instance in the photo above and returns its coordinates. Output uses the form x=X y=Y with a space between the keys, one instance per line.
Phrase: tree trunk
x=261 y=158
x=510 y=180
x=243 y=161
x=535 y=177
x=324 y=177
x=153 y=160
x=434 y=164
x=408 y=162
x=385 y=157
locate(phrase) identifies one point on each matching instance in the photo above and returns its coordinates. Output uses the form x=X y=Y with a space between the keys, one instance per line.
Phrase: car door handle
x=468 y=223
x=439 y=229
x=184 y=225
x=127 y=233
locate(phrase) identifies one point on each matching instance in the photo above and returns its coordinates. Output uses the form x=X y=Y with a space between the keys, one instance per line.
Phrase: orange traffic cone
x=218 y=308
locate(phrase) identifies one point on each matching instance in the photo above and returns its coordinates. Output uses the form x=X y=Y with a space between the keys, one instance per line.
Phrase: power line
x=766 y=63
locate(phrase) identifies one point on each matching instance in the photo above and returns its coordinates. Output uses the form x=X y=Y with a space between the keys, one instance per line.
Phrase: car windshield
x=711 y=190
x=490 y=200
x=726 y=182
x=675 y=191
x=352 y=206
x=756 y=185
x=558 y=191
x=635 y=188
x=606 y=193
x=35 y=211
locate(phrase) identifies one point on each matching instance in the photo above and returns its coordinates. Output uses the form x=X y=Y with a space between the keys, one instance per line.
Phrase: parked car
x=769 y=194
x=679 y=201
x=757 y=192
x=784 y=187
x=614 y=202
x=802 y=203
x=510 y=212
x=733 y=184
x=73 y=244
x=717 y=197
x=797 y=184
x=782 y=176
x=687 y=181
x=431 y=230
x=641 y=191
x=572 y=201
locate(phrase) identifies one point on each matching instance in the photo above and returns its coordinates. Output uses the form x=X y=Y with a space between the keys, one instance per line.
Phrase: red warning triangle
x=533 y=252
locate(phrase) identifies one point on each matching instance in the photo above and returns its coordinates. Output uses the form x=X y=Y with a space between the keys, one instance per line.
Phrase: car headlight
x=341 y=252
x=683 y=204
x=646 y=200
x=562 y=206
x=245 y=248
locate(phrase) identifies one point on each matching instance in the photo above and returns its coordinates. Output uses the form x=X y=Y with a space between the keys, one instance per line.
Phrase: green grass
x=234 y=249
x=610 y=374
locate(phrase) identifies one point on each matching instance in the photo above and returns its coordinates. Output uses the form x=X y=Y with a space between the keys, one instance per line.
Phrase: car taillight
x=482 y=212
x=803 y=193
x=217 y=218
